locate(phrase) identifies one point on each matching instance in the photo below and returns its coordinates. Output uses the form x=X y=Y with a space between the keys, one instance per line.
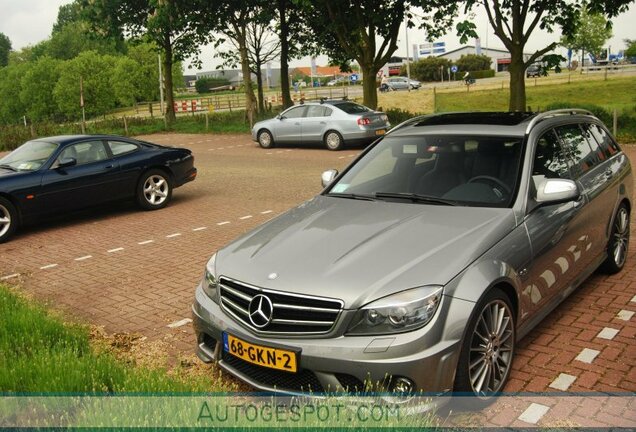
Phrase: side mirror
x=280 y=117
x=328 y=176
x=67 y=162
x=554 y=191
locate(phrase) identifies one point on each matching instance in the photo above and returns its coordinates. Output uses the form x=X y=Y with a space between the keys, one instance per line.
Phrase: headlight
x=405 y=311
x=209 y=283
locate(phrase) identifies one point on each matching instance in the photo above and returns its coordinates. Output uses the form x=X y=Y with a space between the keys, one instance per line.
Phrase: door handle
x=109 y=166
x=608 y=173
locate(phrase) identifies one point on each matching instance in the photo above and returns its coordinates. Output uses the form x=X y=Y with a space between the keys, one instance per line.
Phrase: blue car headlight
x=398 y=313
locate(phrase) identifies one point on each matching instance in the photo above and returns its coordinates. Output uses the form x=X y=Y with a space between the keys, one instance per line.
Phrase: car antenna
x=345 y=98
x=322 y=100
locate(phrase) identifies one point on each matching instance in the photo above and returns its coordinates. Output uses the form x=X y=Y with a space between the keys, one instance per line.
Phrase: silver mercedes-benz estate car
x=334 y=123
x=422 y=264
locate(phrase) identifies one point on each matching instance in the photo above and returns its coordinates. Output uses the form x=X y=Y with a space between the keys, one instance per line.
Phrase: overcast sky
x=27 y=22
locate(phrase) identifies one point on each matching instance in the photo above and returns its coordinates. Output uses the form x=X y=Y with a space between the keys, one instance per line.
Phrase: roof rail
x=542 y=116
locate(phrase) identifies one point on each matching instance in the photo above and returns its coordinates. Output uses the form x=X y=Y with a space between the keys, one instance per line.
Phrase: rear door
x=314 y=124
x=289 y=127
x=127 y=157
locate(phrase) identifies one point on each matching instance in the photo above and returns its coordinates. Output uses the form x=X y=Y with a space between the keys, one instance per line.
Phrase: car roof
x=66 y=139
x=481 y=123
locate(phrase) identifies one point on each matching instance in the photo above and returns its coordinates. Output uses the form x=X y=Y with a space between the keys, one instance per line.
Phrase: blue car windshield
x=30 y=156
x=437 y=169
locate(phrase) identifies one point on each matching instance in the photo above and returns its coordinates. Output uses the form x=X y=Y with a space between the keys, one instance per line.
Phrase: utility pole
x=160 y=85
x=408 y=61
x=82 y=105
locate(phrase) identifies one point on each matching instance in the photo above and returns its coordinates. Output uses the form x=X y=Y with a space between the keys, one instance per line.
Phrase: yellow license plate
x=273 y=358
x=380 y=132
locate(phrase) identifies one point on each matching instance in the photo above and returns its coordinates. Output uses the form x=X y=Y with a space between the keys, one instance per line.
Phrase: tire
x=8 y=219
x=618 y=243
x=265 y=139
x=334 y=141
x=496 y=348
x=154 y=190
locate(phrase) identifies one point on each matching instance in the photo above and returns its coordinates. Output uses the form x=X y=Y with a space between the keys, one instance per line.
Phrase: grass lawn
x=40 y=353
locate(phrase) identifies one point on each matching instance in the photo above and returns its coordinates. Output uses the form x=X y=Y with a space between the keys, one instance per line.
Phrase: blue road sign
x=453 y=68
x=353 y=77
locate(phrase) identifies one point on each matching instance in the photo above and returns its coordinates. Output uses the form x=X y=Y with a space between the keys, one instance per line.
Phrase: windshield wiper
x=415 y=198
x=9 y=167
x=351 y=196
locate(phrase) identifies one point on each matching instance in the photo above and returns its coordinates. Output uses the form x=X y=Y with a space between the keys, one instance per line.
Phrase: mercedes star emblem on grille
x=261 y=311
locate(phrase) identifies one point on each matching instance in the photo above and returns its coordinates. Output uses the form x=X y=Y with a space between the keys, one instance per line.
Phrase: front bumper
x=329 y=364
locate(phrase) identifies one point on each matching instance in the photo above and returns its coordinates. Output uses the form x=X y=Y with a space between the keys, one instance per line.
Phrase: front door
x=289 y=129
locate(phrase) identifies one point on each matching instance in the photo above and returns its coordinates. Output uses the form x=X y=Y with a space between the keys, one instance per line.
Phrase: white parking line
x=115 y=250
x=341 y=157
x=266 y=211
x=85 y=257
x=145 y=242
x=11 y=276
x=223 y=223
x=587 y=355
x=533 y=413
x=49 y=266
x=625 y=315
x=267 y=153
x=633 y=299
x=180 y=323
x=245 y=217
x=607 y=333
x=563 y=382
x=199 y=228
x=173 y=235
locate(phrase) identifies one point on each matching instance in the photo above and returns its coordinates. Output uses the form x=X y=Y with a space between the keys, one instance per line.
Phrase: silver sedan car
x=421 y=266
x=334 y=123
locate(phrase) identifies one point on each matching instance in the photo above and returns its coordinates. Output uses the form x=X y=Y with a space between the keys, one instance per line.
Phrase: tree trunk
x=517 y=72
x=250 y=99
x=284 y=54
x=369 y=86
x=167 y=80
x=259 y=85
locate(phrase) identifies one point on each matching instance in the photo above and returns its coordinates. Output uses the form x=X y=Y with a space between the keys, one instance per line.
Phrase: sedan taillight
x=363 y=121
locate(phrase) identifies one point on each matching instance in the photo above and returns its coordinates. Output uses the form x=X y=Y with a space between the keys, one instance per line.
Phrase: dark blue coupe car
x=65 y=173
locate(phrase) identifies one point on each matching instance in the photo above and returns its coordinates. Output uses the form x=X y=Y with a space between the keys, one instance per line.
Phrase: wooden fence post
x=207 y=121
x=615 y=122
x=125 y=126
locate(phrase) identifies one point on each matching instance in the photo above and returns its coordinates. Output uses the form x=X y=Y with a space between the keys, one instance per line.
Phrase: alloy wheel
x=491 y=348
x=156 y=189
x=5 y=220
x=621 y=236
x=333 y=140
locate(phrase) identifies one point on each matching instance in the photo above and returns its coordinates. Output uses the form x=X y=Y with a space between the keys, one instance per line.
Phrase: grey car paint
x=359 y=251
x=304 y=129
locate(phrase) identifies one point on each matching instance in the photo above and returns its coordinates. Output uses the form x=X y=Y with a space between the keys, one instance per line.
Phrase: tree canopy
x=5 y=49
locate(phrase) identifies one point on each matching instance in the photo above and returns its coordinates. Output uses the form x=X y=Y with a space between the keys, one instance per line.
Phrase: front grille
x=302 y=381
x=292 y=313
x=350 y=383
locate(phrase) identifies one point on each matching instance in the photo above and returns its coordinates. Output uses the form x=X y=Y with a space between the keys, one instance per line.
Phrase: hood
x=358 y=251
x=7 y=173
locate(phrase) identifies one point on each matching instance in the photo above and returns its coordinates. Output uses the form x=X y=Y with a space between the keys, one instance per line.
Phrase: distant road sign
x=453 y=68
x=353 y=77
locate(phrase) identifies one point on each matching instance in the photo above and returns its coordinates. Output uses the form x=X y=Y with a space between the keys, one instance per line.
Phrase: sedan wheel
x=154 y=190
x=8 y=219
x=488 y=349
x=265 y=139
x=618 y=243
x=333 y=140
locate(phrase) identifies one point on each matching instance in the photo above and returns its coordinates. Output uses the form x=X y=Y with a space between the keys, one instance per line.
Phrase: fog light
x=402 y=385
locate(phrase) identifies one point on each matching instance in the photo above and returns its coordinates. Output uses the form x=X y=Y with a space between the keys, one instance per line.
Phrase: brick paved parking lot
x=134 y=271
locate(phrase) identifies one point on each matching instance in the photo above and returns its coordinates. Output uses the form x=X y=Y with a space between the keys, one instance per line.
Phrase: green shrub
x=473 y=62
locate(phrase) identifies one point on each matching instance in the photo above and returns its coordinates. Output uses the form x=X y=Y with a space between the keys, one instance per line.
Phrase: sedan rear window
x=352 y=108
x=118 y=147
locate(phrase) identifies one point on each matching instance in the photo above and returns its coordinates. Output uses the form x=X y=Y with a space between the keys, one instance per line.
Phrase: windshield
x=352 y=108
x=437 y=169
x=30 y=156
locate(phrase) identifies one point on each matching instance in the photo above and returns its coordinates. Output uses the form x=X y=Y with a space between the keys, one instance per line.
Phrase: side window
x=577 y=149
x=327 y=112
x=315 y=111
x=549 y=158
x=599 y=154
x=605 y=140
x=85 y=152
x=119 y=147
x=296 y=112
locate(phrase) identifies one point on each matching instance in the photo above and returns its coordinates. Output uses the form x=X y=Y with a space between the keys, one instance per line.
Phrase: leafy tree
x=37 y=85
x=367 y=31
x=177 y=28
x=430 y=68
x=145 y=54
x=5 y=49
x=631 y=48
x=76 y=37
x=590 y=35
x=11 y=107
x=473 y=62
x=126 y=74
x=94 y=70
x=203 y=85
x=514 y=21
